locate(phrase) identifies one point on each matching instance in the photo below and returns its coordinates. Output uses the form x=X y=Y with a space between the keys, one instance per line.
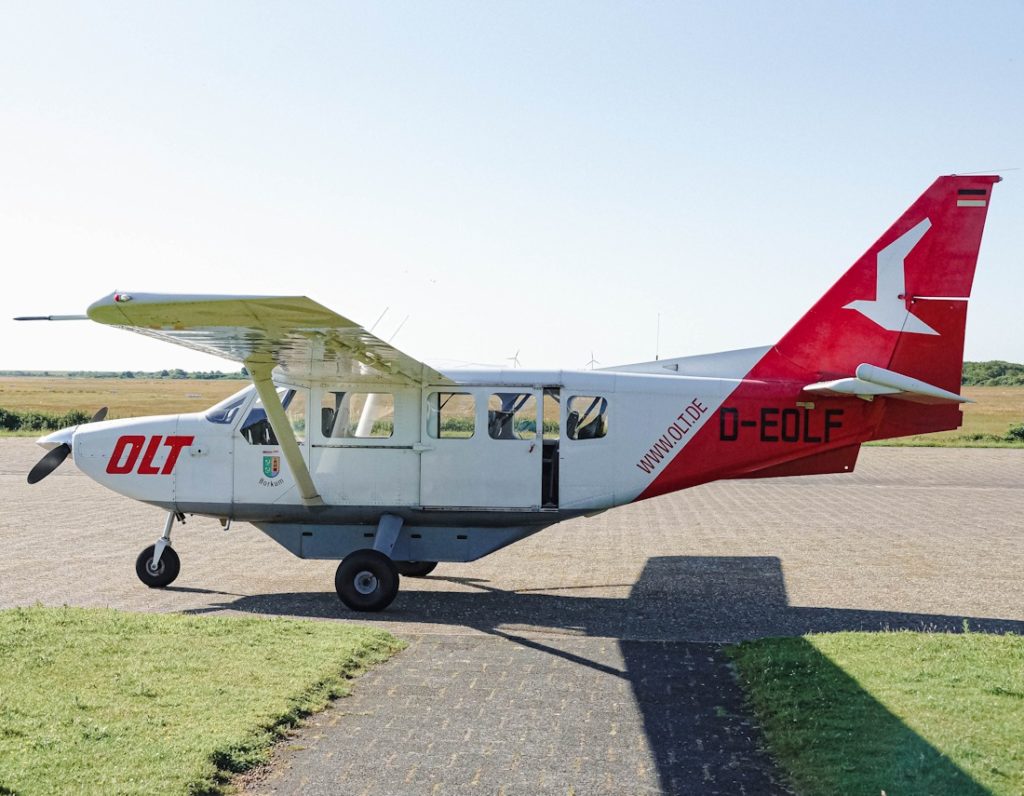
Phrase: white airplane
x=346 y=448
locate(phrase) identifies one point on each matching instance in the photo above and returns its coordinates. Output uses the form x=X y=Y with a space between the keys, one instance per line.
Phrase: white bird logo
x=889 y=308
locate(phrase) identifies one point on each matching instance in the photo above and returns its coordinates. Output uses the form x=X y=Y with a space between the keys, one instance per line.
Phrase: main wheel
x=415 y=569
x=164 y=573
x=367 y=580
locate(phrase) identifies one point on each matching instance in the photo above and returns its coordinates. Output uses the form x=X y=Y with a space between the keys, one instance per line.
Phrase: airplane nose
x=59 y=446
x=57 y=438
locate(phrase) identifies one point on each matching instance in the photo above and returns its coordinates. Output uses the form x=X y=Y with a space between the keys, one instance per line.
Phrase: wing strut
x=260 y=373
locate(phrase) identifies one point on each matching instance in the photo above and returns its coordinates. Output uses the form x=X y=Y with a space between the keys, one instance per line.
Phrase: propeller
x=53 y=459
x=50 y=462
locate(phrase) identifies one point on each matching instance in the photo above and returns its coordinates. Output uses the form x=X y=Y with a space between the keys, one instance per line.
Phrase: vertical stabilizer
x=903 y=303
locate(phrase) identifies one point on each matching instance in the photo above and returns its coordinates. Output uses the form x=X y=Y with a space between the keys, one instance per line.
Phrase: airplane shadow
x=669 y=630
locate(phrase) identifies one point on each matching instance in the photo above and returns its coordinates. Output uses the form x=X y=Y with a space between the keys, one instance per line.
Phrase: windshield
x=227 y=410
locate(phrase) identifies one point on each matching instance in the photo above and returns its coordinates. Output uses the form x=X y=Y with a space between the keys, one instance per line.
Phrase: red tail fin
x=903 y=304
x=900 y=310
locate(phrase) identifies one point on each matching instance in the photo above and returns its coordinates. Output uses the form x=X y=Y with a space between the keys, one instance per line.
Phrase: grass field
x=100 y=701
x=894 y=713
x=124 y=397
x=994 y=411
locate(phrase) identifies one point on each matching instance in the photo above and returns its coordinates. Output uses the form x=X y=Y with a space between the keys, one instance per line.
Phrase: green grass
x=903 y=713
x=986 y=422
x=100 y=701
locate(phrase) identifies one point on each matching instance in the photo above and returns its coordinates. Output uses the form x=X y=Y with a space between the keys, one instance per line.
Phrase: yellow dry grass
x=994 y=410
x=124 y=397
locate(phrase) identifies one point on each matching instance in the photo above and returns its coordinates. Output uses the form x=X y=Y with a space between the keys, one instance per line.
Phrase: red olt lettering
x=128 y=448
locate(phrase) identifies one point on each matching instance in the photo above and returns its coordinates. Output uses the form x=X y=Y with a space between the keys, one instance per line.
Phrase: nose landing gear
x=157 y=574
x=158 y=565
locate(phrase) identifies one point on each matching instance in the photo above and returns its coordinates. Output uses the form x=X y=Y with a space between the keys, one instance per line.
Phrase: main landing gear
x=158 y=565
x=367 y=580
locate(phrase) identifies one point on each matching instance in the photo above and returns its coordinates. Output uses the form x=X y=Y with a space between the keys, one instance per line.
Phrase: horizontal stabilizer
x=871 y=380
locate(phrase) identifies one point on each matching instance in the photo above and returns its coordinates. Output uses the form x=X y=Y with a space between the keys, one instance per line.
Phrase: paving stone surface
x=585 y=659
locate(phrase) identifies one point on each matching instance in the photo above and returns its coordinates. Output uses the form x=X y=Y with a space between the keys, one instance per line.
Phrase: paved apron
x=586 y=659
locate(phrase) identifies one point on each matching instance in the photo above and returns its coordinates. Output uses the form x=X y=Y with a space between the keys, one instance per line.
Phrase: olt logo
x=127 y=450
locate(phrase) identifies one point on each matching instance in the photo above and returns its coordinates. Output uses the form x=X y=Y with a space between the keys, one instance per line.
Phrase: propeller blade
x=100 y=414
x=50 y=462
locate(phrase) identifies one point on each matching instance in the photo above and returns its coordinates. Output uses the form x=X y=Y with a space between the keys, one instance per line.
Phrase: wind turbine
x=592 y=361
x=515 y=358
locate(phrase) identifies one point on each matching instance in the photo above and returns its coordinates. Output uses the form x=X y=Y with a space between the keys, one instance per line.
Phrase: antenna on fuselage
x=395 y=333
x=379 y=319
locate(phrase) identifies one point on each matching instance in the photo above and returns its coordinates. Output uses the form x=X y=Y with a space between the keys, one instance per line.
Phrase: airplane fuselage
x=469 y=467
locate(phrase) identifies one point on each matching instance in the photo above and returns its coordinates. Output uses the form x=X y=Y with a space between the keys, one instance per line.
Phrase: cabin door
x=482 y=448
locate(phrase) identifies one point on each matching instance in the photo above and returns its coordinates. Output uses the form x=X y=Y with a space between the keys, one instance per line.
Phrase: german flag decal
x=971 y=197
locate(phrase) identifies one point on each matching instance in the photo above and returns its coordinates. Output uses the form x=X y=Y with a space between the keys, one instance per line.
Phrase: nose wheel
x=158 y=565
x=157 y=574
x=367 y=580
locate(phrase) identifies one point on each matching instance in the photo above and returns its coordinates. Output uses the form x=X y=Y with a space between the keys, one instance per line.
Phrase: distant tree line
x=995 y=373
x=172 y=373
x=11 y=420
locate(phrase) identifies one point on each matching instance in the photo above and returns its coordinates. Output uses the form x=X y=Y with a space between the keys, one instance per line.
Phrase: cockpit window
x=256 y=428
x=227 y=410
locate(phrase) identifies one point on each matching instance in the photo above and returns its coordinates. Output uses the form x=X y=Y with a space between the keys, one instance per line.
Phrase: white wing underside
x=303 y=338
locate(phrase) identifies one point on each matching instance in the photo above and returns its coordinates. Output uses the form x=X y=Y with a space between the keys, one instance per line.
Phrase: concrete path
x=586 y=659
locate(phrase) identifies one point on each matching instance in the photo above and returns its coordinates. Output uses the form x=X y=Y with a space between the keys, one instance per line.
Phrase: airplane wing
x=304 y=338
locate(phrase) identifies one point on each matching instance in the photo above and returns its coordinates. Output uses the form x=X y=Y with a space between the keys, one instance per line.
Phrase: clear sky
x=535 y=177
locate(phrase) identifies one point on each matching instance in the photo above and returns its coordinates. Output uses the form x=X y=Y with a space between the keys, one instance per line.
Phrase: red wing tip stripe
x=970 y=202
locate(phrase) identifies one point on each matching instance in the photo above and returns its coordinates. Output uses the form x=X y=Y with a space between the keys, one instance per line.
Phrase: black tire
x=415 y=569
x=166 y=571
x=367 y=580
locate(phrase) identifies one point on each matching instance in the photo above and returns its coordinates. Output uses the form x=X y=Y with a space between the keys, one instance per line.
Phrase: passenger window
x=451 y=415
x=551 y=412
x=587 y=417
x=357 y=415
x=512 y=415
x=256 y=428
